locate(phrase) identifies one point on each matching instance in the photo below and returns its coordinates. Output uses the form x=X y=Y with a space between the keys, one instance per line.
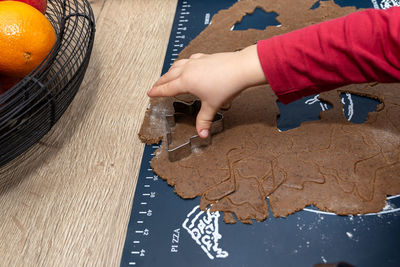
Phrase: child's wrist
x=250 y=64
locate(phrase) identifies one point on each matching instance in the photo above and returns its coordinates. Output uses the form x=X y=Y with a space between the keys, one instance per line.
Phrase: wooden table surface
x=67 y=200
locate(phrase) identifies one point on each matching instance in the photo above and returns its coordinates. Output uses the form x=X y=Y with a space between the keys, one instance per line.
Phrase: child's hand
x=215 y=79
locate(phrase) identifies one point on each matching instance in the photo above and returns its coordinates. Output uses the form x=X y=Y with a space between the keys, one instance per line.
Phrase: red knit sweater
x=358 y=48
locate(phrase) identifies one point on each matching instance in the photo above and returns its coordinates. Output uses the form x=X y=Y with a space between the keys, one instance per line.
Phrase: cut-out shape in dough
x=356 y=107
x=316 y=5
x=306 y=109
x=259 y=20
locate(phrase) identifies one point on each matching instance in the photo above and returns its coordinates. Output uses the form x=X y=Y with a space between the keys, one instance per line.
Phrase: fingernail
x=204 y=133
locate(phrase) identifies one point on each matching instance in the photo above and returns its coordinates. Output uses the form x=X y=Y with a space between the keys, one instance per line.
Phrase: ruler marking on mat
x=143 y=212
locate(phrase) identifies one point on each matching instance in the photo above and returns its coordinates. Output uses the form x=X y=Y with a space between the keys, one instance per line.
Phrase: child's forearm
x=358 y=48
x=250 y=64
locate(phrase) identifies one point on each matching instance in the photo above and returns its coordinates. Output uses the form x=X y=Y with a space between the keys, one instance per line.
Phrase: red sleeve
x=361 y=47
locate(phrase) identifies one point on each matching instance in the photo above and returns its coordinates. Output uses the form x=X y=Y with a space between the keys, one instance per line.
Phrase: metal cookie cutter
x=194 y=141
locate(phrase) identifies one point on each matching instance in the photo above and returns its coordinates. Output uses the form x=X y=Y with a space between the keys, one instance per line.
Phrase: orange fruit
x=26 y=38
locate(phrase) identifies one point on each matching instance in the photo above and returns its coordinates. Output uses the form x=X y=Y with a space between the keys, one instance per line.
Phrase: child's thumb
x=204 y=119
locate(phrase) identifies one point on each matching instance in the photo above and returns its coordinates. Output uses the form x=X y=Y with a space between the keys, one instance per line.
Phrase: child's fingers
x=179 y=63
x=204 y=120
x=172 y=74
x=197 y=55
x=171 y=88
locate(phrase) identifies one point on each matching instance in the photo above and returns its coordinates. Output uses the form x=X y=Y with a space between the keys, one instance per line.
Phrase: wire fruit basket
x=31 y=108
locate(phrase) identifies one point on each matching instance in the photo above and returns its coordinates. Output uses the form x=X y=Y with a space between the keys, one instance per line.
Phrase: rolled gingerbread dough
x=331 y=163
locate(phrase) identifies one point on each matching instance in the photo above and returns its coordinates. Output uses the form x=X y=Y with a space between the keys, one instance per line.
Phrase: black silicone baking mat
x=165 y=230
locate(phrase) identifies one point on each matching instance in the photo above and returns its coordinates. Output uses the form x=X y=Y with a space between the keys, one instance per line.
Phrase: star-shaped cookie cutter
x=195 y=141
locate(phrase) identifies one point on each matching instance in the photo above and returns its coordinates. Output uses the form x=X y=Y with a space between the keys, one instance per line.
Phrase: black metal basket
x=33 y=106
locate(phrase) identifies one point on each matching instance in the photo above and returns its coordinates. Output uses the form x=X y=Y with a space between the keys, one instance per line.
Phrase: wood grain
x=67 y=201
